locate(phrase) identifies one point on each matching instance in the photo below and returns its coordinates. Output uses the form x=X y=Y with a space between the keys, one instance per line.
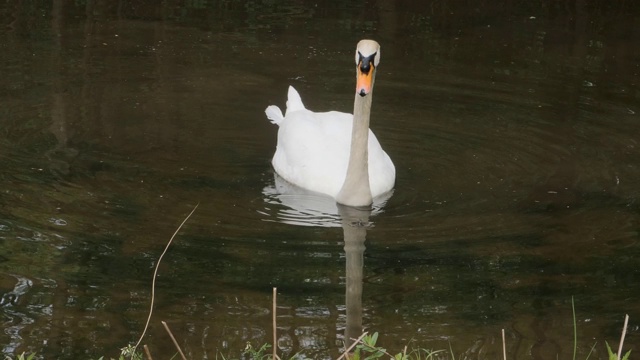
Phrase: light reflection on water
x=517 y=184
x=296 y=206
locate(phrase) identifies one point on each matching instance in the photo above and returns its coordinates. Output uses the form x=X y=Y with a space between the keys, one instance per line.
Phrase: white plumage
x=314 y=149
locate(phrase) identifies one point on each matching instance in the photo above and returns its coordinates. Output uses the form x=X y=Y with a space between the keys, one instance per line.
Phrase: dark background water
x=513 y=126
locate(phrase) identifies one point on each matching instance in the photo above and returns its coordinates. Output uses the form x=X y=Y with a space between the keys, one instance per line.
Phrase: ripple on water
x=296 y=206
x=478 y=160
x=13 y=310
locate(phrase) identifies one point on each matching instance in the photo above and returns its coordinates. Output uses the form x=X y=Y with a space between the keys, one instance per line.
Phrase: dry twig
x=624 y=333
x=166 y=327
x=275 y=356
x=147 y=352
x=504 y=346
x=155 y=273
x=352 y=346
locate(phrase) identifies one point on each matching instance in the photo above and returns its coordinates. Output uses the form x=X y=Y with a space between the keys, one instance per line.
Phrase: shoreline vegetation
x=364 y=347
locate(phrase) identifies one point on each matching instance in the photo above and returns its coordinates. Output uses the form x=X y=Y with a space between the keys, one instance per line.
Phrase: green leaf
x=356 y=354
x=376 y=355
x=374 y=338
x=613 y=356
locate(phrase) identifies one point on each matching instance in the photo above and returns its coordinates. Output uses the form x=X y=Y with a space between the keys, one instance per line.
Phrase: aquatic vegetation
x=23 y=357
x=614 y=356
x=366 y=348
x=257 y=354
x=128 y=352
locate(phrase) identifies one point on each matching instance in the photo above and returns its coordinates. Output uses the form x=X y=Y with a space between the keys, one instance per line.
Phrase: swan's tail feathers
x=294 y=103
x=274 y=114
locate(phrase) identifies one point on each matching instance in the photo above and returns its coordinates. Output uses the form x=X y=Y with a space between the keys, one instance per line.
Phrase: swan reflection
x=297 y=206
x=354 y=225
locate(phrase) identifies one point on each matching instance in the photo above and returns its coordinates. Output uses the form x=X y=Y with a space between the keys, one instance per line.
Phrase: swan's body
x=334 y=153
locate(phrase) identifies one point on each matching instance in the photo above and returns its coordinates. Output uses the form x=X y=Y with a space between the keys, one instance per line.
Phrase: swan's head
x=367 y=59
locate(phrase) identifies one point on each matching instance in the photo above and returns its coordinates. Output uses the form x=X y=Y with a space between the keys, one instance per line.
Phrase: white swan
x=335 y=153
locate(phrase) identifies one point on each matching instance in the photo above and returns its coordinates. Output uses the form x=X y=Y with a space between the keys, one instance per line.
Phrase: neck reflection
x=354 y=225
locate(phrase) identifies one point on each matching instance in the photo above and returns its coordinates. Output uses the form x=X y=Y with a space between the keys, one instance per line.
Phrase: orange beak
x=364 y=81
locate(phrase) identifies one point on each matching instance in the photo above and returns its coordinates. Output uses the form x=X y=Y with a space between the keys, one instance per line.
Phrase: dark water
x=514 y=128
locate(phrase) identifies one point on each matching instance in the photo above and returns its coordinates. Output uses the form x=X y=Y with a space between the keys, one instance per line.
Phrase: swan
x=335 y=153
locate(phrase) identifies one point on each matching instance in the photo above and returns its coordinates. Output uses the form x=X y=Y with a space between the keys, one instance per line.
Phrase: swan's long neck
x=356 y=190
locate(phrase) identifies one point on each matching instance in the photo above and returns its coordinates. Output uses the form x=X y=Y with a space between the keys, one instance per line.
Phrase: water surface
x=513 y=128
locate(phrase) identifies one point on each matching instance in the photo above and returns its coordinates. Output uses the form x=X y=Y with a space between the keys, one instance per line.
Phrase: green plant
x=613 y=356
x=129 y=352
x=575 y=329
x=368 y=350
x=126 y=353
x=257 y=354
x=368 y=346
x=22 y=357
x=416 y=354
